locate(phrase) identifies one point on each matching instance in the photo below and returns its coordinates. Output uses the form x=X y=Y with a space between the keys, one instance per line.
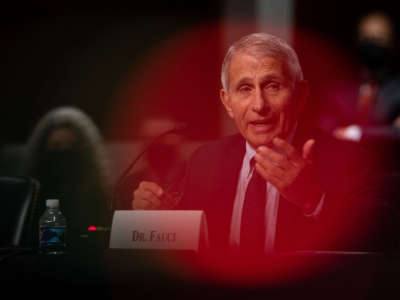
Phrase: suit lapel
x=230 y=168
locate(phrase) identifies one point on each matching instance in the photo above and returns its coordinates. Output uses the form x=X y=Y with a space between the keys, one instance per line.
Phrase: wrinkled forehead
x=281 y=64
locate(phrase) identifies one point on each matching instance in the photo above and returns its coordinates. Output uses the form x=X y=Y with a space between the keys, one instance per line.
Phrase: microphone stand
x=121 y=179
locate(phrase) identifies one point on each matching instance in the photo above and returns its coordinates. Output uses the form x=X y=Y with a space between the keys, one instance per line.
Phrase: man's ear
x=226 y=101
x=302 y=93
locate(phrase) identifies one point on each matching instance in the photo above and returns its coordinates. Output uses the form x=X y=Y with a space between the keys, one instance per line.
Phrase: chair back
x=19 y=197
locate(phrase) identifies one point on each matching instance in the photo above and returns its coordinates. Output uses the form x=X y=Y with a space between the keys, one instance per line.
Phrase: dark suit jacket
x=211 y=182
x=353 y=216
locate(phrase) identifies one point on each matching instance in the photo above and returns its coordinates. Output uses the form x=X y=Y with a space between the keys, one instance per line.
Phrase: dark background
x=67 y=53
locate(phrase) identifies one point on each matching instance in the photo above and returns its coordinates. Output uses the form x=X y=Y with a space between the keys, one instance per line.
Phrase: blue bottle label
x=52 y=235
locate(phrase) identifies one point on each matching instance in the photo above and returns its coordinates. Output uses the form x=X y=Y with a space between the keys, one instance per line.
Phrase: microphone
x=178 y=129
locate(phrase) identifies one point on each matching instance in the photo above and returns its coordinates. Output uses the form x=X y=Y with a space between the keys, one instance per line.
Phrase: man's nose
x=260 y=103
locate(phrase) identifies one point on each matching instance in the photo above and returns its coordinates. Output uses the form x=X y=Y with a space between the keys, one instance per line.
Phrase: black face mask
x=60 y=169
x=63 y=161
x=373 y=55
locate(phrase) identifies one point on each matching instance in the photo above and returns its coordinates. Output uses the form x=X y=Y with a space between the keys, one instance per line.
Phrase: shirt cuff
x=353 y=133
x=315 y=213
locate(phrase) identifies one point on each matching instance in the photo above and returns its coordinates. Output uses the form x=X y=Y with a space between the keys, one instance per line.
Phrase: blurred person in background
x=364 y=117
x=66 y=154
x=369 y=111
x=379 y=94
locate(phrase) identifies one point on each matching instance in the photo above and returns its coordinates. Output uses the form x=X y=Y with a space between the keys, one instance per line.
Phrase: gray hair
x=261 y=45
x=89 y=138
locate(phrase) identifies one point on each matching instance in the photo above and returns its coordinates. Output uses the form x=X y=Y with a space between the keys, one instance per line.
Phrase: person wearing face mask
x=376 y=118
x=364 y=121
x=66 y=154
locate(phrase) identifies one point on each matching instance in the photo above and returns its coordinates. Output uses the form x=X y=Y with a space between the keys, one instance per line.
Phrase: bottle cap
x=52 y=203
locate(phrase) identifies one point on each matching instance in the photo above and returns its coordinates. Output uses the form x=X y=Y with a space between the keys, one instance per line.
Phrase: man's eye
x=245 y=89
x=274 y=86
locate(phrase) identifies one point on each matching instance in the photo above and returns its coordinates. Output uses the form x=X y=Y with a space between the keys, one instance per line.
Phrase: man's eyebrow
x=268 y=77
x=244 y=80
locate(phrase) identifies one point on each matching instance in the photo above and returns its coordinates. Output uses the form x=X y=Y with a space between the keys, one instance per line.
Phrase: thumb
x=308 y=149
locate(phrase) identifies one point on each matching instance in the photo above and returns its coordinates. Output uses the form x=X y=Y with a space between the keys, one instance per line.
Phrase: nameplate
x=159 y=229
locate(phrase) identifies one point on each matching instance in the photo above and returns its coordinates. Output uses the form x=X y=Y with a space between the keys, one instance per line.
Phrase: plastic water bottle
x=52 y=229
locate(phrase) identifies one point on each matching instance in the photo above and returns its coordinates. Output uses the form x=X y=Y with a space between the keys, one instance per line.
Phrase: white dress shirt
x=271 y=207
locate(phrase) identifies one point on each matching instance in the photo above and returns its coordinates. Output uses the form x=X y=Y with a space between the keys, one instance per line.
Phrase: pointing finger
x=308 y=149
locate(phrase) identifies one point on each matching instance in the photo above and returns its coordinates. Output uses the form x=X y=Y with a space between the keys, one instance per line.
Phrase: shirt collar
x=250 y=152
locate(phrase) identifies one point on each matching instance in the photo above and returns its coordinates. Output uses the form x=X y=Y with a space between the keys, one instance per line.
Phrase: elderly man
x=258 y=191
